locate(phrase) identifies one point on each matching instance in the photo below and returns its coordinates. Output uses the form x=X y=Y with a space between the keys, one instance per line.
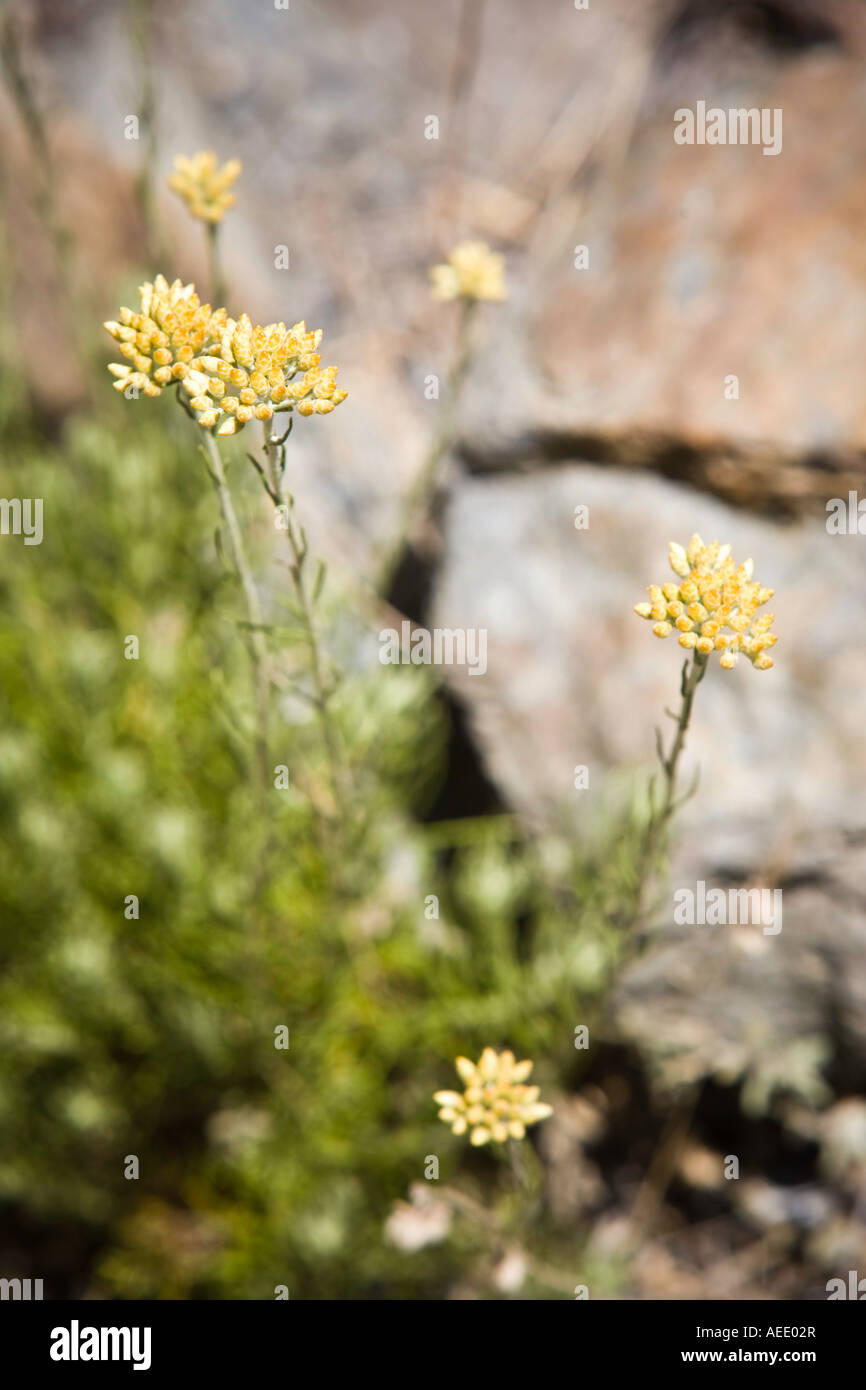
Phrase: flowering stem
x=140 y=35
x=215 y=272
x=257 y=646
x=424 y=484
x=272 y=477
x=499 y=1238
x=660 y=815
x=527 y=1172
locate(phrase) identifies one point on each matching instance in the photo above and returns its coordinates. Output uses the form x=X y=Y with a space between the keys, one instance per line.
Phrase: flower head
x=713 y=606
x=472 y=271
x=251 y=371
x=232 y=371
x=495 y=1103
x=161 y=339
x=203 y=186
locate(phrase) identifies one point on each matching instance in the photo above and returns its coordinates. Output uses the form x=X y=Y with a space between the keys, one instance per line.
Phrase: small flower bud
x=677 y=560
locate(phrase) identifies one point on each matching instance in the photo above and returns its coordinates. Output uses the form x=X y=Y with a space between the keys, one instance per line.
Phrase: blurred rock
x=843 y=1140
x=575 y=677
x=574 y=1182
x=773 y=1018
x=704 y=261
x=769 y=1205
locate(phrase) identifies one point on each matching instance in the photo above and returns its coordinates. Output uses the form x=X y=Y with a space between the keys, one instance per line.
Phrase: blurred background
x=604 y=381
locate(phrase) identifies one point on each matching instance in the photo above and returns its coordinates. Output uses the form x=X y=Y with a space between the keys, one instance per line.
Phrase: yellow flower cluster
x=254 y=371
x=233 y=371
x=473 y=271
x=203 y=186
x=712 y=595
x=495 y=1104
x=162 y=339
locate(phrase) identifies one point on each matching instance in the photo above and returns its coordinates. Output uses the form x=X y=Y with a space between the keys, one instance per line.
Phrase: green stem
x=215 y=272
x=501 y=1238
x=145 y=183
x=273 y=479
x=528 y=1176
x=660 y=815
x=256 y=641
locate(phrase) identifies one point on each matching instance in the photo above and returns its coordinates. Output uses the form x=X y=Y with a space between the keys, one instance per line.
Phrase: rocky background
x=603 y=386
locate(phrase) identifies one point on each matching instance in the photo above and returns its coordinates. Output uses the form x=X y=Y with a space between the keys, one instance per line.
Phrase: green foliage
x=154 y=1036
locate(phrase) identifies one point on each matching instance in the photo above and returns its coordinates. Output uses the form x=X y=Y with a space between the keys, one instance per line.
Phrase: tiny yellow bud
x=677 y=560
